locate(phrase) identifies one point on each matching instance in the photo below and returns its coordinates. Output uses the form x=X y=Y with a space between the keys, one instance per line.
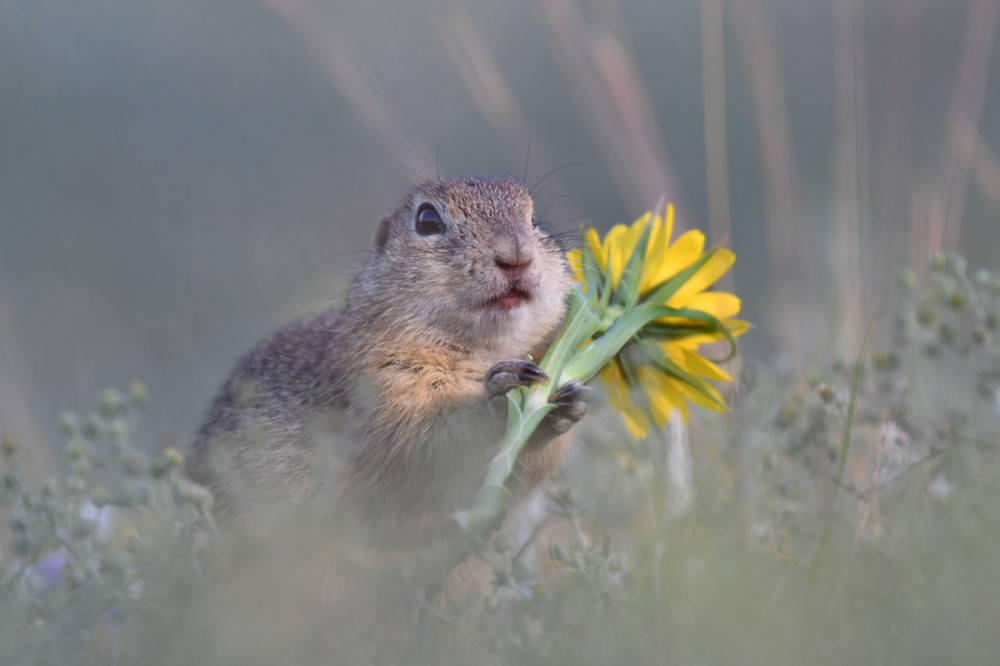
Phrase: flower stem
x=526 y=407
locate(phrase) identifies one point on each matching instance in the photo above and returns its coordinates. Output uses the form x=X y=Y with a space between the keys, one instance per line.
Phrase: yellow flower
x=662 y=358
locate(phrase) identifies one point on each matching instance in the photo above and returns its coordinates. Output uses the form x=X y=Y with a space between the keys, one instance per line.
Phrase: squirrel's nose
x=515 y=267
x=514 y=259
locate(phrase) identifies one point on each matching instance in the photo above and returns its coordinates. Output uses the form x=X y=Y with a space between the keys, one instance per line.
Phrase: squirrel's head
x=465 y=258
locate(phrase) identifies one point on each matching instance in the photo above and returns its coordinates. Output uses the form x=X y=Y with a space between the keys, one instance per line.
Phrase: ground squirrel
x=392 y=406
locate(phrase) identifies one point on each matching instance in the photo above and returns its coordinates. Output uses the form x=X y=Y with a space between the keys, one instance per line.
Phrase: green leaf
x=595 y=355
x=580 y=324
x=592 y=357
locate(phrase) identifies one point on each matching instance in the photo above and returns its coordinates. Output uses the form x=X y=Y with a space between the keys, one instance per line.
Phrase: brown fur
x=380 y=410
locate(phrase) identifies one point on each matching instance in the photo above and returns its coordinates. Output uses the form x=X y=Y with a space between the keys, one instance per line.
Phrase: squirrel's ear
x=382 y=234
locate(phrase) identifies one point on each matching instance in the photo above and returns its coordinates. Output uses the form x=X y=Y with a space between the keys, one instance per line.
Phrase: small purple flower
x=48 y=569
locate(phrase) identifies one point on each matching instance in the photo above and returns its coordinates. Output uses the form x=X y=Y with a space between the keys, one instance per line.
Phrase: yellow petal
x=680 y=255
x=699 y=398
x=698 y=365
x=635 y=230
x=620 y=401
x=635 y=421
x=613 y=385
x=575 y=260
x=613 y=248
x=736 y=328
x=668 y=224
x=654 y=255
x=663 y=398
x=631 y=239
x=719 y=304
x=677 y=399
x=594 y=241
x=706 y=276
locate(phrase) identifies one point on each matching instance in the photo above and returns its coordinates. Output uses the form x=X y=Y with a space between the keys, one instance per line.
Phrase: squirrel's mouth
x=510 y=299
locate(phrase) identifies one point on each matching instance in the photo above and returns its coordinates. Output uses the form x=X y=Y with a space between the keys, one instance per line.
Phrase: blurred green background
x=179 y=177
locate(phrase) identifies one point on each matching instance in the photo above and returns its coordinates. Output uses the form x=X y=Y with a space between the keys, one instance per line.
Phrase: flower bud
x=908 y=279
x=74 y=451
x=100 y=498
x=825 y=392
x=75 y=484
x=137 y=394
x=111 y=403
x=69 y=424
x=173 y=457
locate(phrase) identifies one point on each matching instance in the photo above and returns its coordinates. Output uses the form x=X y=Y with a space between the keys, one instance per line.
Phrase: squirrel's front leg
x=570 y=399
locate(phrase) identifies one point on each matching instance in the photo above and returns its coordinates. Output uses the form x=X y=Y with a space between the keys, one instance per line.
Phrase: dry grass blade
x=986 y=170
x=16 y=414
x=713 y=67
x=948 y=198
x=895 y=132
x=786 y=245
x=603 y=79
x=850 y=200
x=490 y=91
x=370 y=103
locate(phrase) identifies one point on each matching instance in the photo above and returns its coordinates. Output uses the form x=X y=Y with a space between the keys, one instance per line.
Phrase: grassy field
x=852 y=518
x=177 y=179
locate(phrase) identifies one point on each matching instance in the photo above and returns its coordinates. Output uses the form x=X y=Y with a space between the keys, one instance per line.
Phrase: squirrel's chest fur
x=397 y=431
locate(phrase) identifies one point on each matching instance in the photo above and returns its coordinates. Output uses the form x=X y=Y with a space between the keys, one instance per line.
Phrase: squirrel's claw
x=511 y=373
x=571 y=405
x=570 y=399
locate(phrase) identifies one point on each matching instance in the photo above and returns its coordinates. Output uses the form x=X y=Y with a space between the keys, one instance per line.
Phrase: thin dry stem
x=490 y=91
x=895 y=135
x=17 y=417
x=603 y=78
x=986 y=171
x=343 y=68
x=713 y=68
x=947 y=202
x=786 y=247
x=850 y=198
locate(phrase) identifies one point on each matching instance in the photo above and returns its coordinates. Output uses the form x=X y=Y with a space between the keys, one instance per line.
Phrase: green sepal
x=595 y=355
x=591 y=275
x=712 y=325
x=628 y=286
x=670 y=368
x=580 y=324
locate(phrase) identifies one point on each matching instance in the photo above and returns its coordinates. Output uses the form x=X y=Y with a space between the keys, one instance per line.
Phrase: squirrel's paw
x=507 y=374
x=571 y=406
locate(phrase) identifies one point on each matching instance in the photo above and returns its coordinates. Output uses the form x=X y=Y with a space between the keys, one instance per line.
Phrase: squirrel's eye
x=428 y=221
